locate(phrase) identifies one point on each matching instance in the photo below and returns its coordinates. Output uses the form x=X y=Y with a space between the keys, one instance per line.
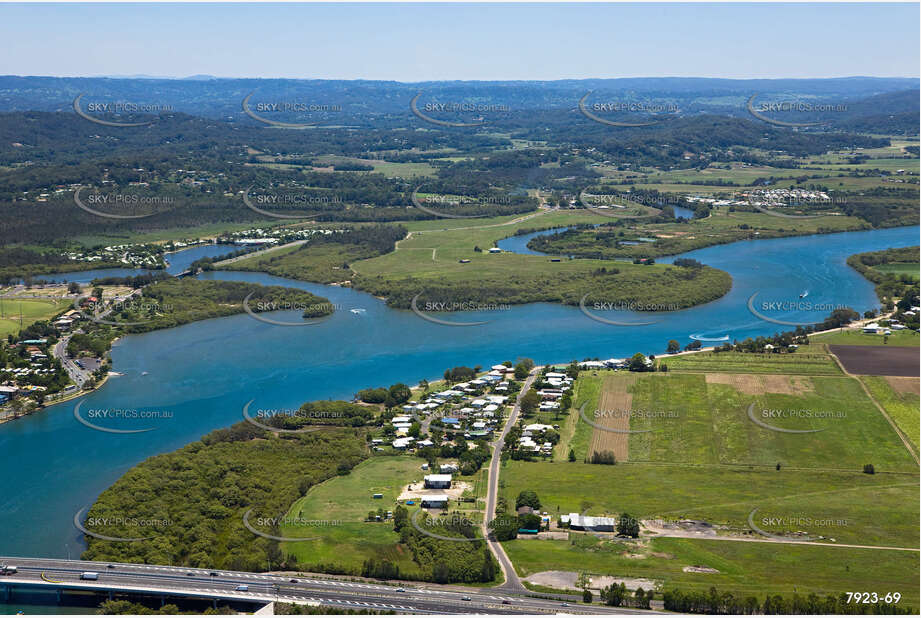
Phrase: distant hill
x=218 y=97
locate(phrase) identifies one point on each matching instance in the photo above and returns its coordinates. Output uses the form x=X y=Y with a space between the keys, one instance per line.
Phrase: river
x=203 y=373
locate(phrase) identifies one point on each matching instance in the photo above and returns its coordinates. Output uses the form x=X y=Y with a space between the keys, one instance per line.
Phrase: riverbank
x=204 y=372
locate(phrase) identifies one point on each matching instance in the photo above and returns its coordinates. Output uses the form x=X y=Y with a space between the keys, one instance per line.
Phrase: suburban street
x=512 y=582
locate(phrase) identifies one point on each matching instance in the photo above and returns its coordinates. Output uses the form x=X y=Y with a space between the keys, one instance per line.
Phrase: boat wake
x=702 y=338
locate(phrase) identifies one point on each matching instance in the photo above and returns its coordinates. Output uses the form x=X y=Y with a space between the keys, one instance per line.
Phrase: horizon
x=205 y=77
x=425 y=42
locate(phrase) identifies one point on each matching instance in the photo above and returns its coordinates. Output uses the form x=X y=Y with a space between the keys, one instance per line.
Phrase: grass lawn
x=429 y=261
x=347 y=500
x=745 y=569
x=880 y=509
x=31 y=311
x=900 y=268
x=908 y=338
x=696 y=419
x=902 y=407
x=804 y=362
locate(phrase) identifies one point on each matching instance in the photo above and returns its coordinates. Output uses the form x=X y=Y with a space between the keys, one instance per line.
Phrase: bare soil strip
x=615 y=403
x=905 y=385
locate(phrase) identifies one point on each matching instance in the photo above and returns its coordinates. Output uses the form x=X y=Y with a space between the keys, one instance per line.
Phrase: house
x=872 y=329
x=7 y=393
x=448 y=468
x=437 y=481
x=401 y=443
x=495 y=250
x=435 y=501
x=592 y=524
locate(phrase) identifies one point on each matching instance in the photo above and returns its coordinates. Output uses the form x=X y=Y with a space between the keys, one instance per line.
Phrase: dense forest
x=194 y=499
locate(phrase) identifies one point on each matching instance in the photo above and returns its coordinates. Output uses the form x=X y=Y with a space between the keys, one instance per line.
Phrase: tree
x=869 y=469
x=504 y=527
x=527 y=498
x=572 y=455
x=398 y=394
x=530 y=402
x=583 y=581
x=628 y=526
x=586 y=596
x=400 y=517
x=528 y=521
x=523 y=368
x=637 y=363
x=673 y=346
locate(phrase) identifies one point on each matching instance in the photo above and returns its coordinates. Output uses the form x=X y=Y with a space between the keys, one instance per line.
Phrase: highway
x=263 y=588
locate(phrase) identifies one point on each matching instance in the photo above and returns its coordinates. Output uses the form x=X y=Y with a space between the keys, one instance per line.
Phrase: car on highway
x=89 y=575
x=110 y=566
x=242 y=588
x=213 y=573
x=506 y=602
x=293 y=581
x=401 y=589
x=465 y=598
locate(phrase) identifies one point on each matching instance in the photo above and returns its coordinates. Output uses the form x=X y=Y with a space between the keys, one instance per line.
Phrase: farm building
x=592 y=524
x=435 y=501
x=437 y=481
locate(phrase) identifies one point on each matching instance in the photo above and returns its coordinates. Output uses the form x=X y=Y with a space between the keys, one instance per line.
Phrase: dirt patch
x=878 y=360
x=760 y=384
x=417 y=491
x=904 y=386
x=566 y=580
x=699 y=569
x=787 y=385
x=614 y=406
x=747 y=384
x=559 y=536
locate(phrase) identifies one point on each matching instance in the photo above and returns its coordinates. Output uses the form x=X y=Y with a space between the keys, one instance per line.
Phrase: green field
x=908 y=338
x=429 y=261
x=900 y=268
x=347 y=500
x=804 y=362
x=880 y=509
x=30 y=311
x=688 y=418
x=901 y=407
x=744 y=568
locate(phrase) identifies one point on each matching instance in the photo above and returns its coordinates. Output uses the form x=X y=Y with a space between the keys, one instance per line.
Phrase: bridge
x=217 y=586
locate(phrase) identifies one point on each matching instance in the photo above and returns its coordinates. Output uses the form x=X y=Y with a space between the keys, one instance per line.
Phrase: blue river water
x=203 y=373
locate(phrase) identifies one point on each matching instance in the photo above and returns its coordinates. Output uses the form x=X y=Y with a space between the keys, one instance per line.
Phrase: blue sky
x=415 y=42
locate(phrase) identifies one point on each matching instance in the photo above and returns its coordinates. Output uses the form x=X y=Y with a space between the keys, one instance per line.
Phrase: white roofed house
x=435 y=501
x=437 y=481
x=402 y=443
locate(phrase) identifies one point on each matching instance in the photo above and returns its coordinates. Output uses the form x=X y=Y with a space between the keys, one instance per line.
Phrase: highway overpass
x=222 y=586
